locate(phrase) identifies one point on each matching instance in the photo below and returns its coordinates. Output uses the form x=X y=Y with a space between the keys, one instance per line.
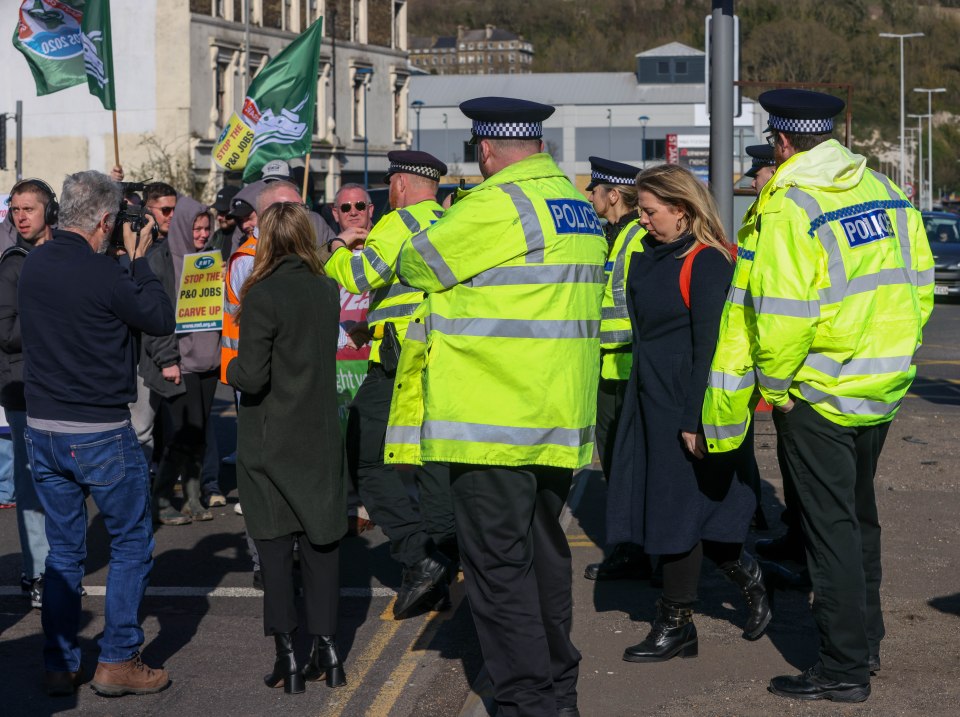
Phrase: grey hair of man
x=85 y=198
x=268 y=195
x=350 y=185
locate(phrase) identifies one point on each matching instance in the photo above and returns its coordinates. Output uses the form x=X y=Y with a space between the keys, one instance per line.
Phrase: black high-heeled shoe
x=324 y=660
x=285 y=669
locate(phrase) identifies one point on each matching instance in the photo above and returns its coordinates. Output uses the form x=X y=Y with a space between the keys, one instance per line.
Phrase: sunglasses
x=345 y=207
x=165 y=211
x=771 y=139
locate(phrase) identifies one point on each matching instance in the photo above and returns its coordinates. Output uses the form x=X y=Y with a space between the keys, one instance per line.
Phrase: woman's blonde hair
x=678 y=187
x=628 y=194
x=284 y=230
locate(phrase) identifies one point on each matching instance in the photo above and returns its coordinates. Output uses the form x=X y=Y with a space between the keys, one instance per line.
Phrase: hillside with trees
x=796 y=41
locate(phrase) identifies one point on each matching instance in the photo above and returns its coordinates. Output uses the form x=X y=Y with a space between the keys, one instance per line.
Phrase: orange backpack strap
x=686 y=271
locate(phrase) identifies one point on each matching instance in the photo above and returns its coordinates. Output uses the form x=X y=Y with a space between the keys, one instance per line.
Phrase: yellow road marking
x=581 y=544
x=394 y=686
x=359 y=666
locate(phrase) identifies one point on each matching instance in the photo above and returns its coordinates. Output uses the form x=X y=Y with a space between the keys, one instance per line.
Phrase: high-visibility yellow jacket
x=230 y=336
x=373 y=269
x=832 y=288
x=507 y=370
x=616 y=334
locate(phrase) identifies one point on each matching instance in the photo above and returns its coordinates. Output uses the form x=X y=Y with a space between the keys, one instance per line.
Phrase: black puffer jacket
x=11 y=356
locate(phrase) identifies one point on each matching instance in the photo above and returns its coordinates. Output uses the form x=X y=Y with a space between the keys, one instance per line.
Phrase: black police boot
x=418 y=582
x=780 y=577
x=285 y=667
x=788 y=546
x=746 y=573
x=626 y=562
x=324 y=660
x=673 y=633
x=811 y=685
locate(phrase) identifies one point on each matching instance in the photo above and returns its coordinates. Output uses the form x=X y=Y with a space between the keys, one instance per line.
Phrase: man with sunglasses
x=353 y=211
x=161 y=200
x=423 y=540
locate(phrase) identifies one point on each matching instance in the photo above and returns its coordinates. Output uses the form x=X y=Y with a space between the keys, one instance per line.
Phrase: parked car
x=943 y=231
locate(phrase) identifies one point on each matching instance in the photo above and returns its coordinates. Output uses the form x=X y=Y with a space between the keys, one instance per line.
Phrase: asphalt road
x=202 y=618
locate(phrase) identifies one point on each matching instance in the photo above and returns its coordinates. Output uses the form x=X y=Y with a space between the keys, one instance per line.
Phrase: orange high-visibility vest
x=230 y=338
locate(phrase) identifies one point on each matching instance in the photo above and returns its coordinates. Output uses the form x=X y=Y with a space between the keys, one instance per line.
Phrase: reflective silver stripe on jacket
x=391 y=291
x=416 y=331
x=529 y=222
x=509 y=435
x=521 y=274
x=619 y=288
x=730 y=382
x=409 y=220
x=229 y=343
x=616 y=337
x=421 y=243
x=403 y=435
x=230 y=308
x=722 y=433
x=857 y=367
x=846 y=404
x=379 y=265
x=903 y=232
x=391 y=312
x=798 y=308
x=517 y=328
x=774 y=384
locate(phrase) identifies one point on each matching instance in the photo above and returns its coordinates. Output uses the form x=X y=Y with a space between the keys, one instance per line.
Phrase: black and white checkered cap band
x=601 y=178
x=422 y=170
x=801 y=126
x=508 y=130
x=758 y=163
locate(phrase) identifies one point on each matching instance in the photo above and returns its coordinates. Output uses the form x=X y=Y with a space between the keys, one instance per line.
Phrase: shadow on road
x=949 y=604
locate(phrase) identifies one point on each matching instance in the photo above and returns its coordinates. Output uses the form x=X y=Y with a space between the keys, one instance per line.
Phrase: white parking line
x=101 y=591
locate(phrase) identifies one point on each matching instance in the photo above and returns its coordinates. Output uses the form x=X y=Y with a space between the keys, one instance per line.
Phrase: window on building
x=490 y=59
x=237 y=10
x=463 y=46
x=513 y=57
x=380 y=23
x=655 y=149
x=681 y=67
x=471 y=46
x=200 y=6
x=273 y=13
x=220 y=91
x=663 y=67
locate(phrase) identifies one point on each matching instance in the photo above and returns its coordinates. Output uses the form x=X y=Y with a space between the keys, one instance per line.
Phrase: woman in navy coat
x=667 y=493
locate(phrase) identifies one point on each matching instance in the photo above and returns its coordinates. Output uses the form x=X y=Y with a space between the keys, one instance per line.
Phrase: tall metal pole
x=922 y=197
x=246 y=46
x=417 y=106
x=19 y=140
x=643 y=140
x=446 y=143
x=609 y=133
x=721 y=110
x=903 y=161
x=929 y=138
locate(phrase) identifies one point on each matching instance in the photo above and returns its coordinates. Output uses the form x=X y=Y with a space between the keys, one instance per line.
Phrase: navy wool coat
x=661 y=497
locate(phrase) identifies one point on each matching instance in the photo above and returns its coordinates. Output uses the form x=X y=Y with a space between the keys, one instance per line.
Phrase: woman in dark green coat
x=288 y=442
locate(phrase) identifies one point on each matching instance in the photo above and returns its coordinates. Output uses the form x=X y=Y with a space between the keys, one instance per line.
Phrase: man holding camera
x=80 y=313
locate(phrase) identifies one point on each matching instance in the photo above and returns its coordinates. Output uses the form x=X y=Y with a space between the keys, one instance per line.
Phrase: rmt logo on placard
x=203 y=262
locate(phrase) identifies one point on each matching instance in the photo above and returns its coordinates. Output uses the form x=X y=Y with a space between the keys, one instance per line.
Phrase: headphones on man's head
x=51 y=212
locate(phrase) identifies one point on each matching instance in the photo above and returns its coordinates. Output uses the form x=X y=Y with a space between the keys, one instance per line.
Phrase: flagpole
x=306 y=176
x=116 y=144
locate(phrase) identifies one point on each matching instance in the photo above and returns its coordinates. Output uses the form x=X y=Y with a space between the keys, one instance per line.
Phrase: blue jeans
x=30 y=517
x=8 y=493
x=109 y=466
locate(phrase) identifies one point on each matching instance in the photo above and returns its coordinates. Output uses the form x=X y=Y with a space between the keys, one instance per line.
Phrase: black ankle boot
x=673 y=633
x=324 y=660
x=285 y=668
x=746 y=573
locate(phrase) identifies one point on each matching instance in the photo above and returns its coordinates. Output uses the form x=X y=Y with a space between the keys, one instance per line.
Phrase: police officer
x=830 y=296
x=613 y=193
x=415 y=536
x=762 y=166
x=513 y=273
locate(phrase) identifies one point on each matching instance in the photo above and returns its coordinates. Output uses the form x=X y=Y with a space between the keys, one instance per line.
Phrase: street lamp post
x=446 y=143
x=366 y=75
x=919 y=131
x=417 y=106
x=643 y=140
x=609 y=133
x=929 y=139
x=903 y=169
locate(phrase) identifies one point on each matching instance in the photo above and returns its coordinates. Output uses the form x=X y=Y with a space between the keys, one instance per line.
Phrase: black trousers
x=516 y=566
x=320 y=570
x=681 y=573
x=833 y=469
x=610 y=395
x=185 y=418
x=414 y=531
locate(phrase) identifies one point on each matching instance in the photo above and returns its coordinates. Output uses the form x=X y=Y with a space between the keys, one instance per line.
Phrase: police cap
x=506 y=118
x=762 y=155
x=801 y=111
x=224 y=196
x=422 y=164
x=606 y=171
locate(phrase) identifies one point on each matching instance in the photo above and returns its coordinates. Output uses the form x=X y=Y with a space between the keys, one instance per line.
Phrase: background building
x=182 y=67
x=473 y=52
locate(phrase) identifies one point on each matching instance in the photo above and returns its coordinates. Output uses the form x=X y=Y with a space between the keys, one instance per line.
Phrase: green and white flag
x=281 y=102
x=98 y=51
x=48 y=35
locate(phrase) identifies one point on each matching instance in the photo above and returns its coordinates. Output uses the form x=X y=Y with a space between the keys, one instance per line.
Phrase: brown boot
x=128 y=678
x=62 y=684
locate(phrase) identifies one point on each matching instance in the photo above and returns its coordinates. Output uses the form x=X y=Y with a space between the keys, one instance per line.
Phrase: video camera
x=132 y=213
